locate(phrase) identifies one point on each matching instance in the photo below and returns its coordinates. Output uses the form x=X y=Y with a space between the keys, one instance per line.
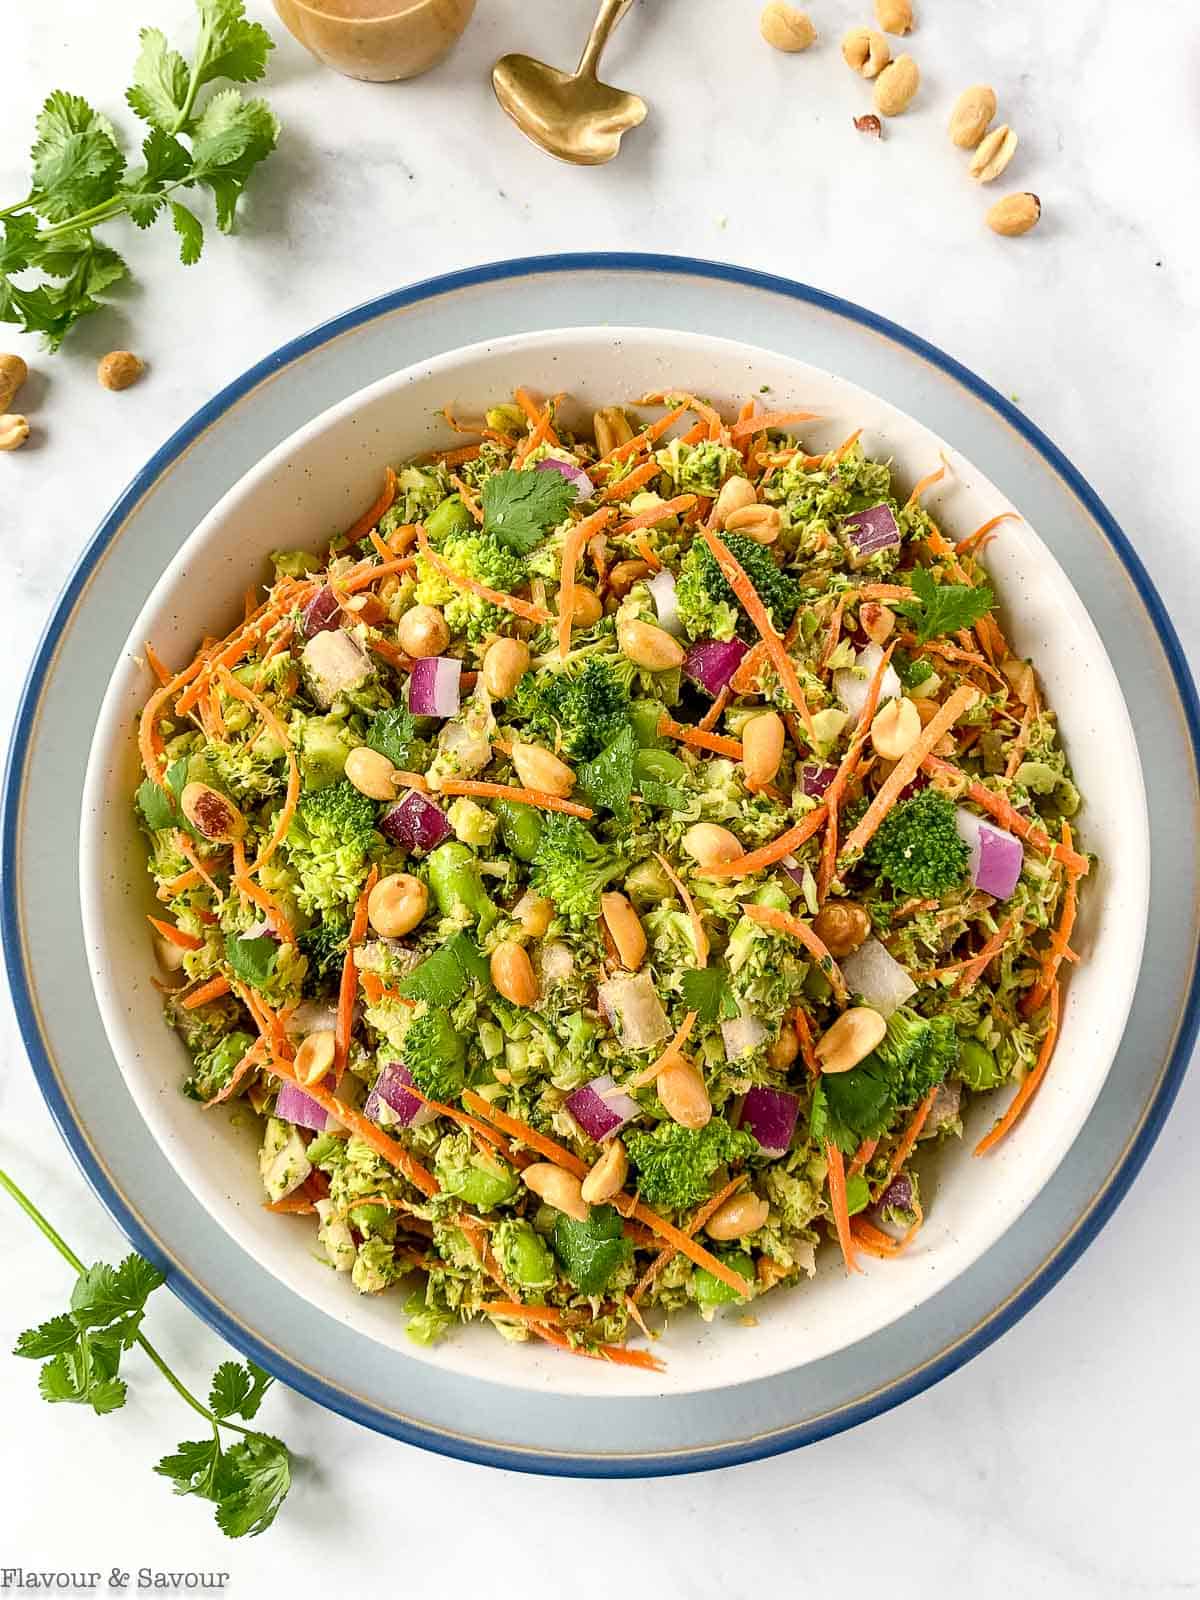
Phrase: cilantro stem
x=64 y=1250
x=11 y=211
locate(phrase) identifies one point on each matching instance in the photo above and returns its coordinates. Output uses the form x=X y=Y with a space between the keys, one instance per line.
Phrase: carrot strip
x=376 y=990
x=510 y=602
x=839 y=1204
x=770 y=419
x=618 y=1354
x=348 y=989
x=464 y=453
x=539 y=416
x=905 y=1148
x=781 y=922
x=715 y=711
x=516 y=1312
x=1003 y=811
x=647 y=519
x=212 y=990
x=698 y=1219
x=745 y=591
x=908 y=765
x=768 y=854
x=803 y=1029
x=573 y=547
x=846 y=770
x=716 y=742
x=150 y=745
x=363 y=577
x=635 y=480
x=521 y=1131
x=250 y=1060
x=747 y=670
x=296 y=1204
x=279 y=733
x=699 y=937
x=648 y=435
x=834 y=634
x=358 y=530
x=694 y=1252
x=176 y=936
x=1060 y=945
x=877 y=1243
x=976 y=540
x=506 y=791
x=162 y=672
x=844 y=449
x=255 y=892
x=975 y=967
x=642 y=545
x=927 y=482
x=1030 y=1085
x=648 y=1074
x=862 y=1157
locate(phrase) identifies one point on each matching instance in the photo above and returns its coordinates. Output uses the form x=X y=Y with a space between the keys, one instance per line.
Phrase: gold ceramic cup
x=379 y=40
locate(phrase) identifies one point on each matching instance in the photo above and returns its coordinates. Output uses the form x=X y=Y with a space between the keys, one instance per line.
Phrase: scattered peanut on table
x=119 y=369
x=896 y=87
x=972 y=114
x=786 y=28
x=1015 y=214
x=13 y=373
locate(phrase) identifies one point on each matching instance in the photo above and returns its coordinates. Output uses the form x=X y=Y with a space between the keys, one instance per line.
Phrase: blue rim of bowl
x=485 y=1453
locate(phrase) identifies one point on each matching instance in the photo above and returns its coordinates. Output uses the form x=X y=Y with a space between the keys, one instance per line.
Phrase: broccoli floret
x=578 y=711
x=701 y=468
x=571 y=867
x=327 y=844
x=674 y=1164
x=918 y=1052
x=476 y=555
x=325 y=946
x=918 y=848
x=212 y=1069
x=707 y=605
x=435 y=1055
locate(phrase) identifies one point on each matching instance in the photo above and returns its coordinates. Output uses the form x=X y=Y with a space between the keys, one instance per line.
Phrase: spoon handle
x=610 y=13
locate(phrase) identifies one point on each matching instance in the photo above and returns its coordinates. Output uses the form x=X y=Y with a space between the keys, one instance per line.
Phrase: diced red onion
x=870 y=531
x=898 y=1194
x=261 y=929
x=321 y=613
x=293 y=1105
x=632 y=1005
x=853 y=684
x=874 y=973
x=584 y=487
x=389 y=1102
x=433 y=686
x=712 y=663
x=996 y=856
x=741 y=1035
x=415 y=822
x=600 y=1108
x=815 y=778
x=793 y=869
x=770 y=1115
x=662 y=587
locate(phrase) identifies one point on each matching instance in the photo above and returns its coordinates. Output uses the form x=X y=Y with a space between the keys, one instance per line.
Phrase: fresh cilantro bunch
x=81 y=179
x=82 y=1349
x=941 y=608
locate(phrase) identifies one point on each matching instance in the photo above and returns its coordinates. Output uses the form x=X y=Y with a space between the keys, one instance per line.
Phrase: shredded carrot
x=521 y=1131
x=464 y=453
x=150 y=745
x=908 y=765
x=648 y=1074
x=745 y=591
x=618 y=1354
x=1003 y=811
x=372 y=514
x=877 y=1243
x=699 y=740
x=770 y=419
x=212 y=990
x=768 y=854
x=467 y=497
x=162 y=672
x=510 y=602
x=927 y=482
x=715 y=711
x=296 y=1204
x=747 y=670
x=573 y=547
x=1021 y=742
x=976 y=540
x=697 y=1221
x=348 y=989
x=637 y=479
x=846 y=770
x=280 y=734
x=478 y=428
x=781 y=922
x=804 y=1033
x=656 y=514
x=647 y=436
x=862 y=1157
x=834 y=634
x=1032 y=1080
x=363 y=577
x=516 y=1312
x=839 y=1205
x=176 y=936
x=539 y=416
x=376 y=990
x=1060 y=944
x=699 y=937
x=905 y=1148
x=190 y=879
x=525 y=797
x=244 y=1067
x=642 y=546
x=975 y=967
x=255 y=892
x=844 y=449
x=695 y=1252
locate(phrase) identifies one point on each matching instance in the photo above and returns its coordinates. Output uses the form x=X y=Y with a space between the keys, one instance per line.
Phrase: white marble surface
x=1061 y=1462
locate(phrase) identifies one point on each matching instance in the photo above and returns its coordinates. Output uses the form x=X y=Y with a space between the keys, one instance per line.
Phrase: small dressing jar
x=378 y=40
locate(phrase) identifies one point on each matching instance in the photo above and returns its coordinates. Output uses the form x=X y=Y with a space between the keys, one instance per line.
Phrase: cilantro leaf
x=251 y=1482
x=76 y=159
x=941 y=608
x=607 y=780
x=445 y=976
x=20 y=248
x=107 y=1395
x=237 y=1390
x=160 y=82
x=103 y=1294
x=230 y=47
x=849 y=1107
x=191 y=233
x=520 y=508
x=252 y=960
x=160 y=806
x=392 y=733
x=57 y=1382
x=230 y=138
x=47 y=1339
x=706 y=991
x=193 y=1466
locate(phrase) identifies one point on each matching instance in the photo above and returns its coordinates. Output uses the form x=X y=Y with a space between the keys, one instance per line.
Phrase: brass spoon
x=572 y=115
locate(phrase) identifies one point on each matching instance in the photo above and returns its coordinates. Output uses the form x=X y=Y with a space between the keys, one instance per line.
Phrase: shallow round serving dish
x=312 y=485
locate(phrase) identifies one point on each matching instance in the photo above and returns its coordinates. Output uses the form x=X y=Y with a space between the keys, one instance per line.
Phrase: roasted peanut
x=649 y=646
x=894 y=16
x=119 y=368
x=540 y=769
x=741 y=1214
x=397 y=904
x=760 y=523
x=1014 y=215
x=710 y=845
x=315 y=1056
x=504 y=665
x=785 y=28
x=763 y=739
x=212 y=813
x=1020 y=678
x=866 y=51
x=973 y=110
x=371 y=773
x=557 y=1188
x=607 y=1177
x=927 y=709
x=586 y=609
x=534 y=913
x=877 y=620
x=625 y=929
x=850 y=1040
x=423 y=631
x=624 y=575
x=14 y=430
x=841 y=926
x=736 y=494
x=13 y=373
x=684 y=1097
x=994 y=154
x=896 y=86
x=781 y=1052
x=513 y=975
x=895 y=728
x=611 y=427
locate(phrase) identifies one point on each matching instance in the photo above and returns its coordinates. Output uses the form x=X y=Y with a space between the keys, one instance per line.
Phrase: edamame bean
x=456 y=884
x=520 y=828
x=977 y=1066
x=450 y=517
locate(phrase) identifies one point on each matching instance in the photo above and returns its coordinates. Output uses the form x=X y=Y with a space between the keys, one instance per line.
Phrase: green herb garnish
x=941 y=608
x=520 y=508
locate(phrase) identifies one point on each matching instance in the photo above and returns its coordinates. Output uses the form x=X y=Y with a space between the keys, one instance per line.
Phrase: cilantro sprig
x=941 y=608
x=520 y=508
x=200 y=137
x=81 y=1351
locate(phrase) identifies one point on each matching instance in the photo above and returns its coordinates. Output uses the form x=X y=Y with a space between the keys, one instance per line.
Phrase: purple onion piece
x=996 y=856
x=871 y=530
x=815 y=778
x=600 y=1108
x=293 y=1105
x=322 y=613
x=770 y=1115
x=415 y=822
x=584 y=486
x=793 y=869
x=433 y=686
x=898 y=1194
x=390 y=1102
x=712 y=663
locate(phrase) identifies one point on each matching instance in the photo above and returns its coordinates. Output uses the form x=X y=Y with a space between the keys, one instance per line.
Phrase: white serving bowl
x=315 y=484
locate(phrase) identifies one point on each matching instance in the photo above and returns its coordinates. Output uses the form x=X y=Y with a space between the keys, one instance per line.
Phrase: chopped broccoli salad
x=607 y=869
